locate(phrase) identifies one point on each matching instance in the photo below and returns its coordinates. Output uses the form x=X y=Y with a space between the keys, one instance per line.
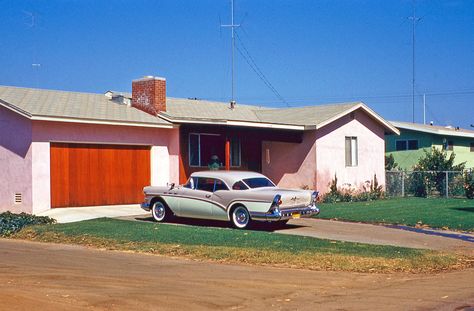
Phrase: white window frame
x=199 y=147
x=354 y=154
x=240 y=152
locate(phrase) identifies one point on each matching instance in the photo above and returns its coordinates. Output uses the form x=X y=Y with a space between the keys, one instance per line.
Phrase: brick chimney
x=149 y=94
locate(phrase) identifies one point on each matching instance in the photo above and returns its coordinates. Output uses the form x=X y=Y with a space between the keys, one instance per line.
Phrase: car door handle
x=208 y=196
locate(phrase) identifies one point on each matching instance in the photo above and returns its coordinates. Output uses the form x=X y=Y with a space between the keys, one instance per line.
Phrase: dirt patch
x=38 y=276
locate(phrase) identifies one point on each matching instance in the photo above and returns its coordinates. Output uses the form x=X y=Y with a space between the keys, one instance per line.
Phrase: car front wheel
x=160 y=212
x=240 y=217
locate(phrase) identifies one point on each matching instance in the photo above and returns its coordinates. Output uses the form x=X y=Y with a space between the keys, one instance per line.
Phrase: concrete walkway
x=73 y=214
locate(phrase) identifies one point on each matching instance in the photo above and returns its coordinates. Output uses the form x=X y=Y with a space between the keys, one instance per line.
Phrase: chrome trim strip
x=285 y=214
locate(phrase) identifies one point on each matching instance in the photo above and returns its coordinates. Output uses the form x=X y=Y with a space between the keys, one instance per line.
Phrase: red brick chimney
x=149 y=94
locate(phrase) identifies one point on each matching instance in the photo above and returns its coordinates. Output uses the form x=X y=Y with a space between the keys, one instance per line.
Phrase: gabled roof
x=434 y=129
x=49 y=105
x=111 y=108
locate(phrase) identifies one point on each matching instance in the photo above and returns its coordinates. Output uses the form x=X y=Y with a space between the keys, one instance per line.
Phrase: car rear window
x=239 y=186
x=259 y=182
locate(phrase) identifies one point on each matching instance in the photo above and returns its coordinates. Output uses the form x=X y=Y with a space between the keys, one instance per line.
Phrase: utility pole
x=414 y=20
x=232 y=27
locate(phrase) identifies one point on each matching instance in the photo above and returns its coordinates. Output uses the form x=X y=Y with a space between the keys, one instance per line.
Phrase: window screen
x=194 y=154
x=351 y=151
x=235 y=152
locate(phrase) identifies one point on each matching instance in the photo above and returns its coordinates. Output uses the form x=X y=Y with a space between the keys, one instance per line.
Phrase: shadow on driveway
x=256 y=225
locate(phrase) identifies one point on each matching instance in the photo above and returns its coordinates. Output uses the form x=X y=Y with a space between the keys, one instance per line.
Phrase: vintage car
x=235 y=196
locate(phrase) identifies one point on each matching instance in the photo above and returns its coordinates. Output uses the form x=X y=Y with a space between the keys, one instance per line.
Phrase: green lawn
x=239 y=246
x=457 y=214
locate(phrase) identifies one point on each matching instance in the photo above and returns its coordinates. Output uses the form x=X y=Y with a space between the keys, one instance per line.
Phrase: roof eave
x=392 y=129
x=270 y=125
x=101 y=122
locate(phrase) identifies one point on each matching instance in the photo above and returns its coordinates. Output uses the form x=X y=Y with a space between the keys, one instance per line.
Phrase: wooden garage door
x=87 y=174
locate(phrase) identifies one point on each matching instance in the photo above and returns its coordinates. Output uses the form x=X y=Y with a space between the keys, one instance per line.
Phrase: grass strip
x=251 y=247
x=454 y=214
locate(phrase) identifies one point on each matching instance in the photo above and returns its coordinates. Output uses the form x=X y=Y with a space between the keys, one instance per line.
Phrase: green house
x=414 y=138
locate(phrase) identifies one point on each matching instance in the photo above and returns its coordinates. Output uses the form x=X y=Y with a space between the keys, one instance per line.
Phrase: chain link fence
x=448 y=184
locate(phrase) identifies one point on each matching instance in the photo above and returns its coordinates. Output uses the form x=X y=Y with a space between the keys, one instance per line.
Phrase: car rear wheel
x=240 y=217
x=160 y=212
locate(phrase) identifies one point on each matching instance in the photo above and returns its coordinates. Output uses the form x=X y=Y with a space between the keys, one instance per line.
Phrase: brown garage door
x=88 y=174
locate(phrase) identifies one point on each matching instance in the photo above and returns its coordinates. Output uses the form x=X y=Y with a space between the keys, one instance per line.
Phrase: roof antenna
x=414 y=20
x=35 y=65
x=232 y=27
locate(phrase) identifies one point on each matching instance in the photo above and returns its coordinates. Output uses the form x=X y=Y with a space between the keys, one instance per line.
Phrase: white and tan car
x=235 y=196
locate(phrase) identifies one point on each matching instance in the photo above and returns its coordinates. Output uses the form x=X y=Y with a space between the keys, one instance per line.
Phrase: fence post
x=447 y=189
x=403 y=183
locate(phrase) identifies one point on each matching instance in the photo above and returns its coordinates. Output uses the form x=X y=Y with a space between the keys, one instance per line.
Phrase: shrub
x=469 y=184
x=11 y=223
x=371 y=190
x=436 y=160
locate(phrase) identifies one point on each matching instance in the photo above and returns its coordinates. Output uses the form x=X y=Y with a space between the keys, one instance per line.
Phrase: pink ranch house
x=68 y=149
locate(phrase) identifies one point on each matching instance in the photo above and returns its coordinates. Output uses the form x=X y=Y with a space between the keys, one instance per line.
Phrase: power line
x=253 y=65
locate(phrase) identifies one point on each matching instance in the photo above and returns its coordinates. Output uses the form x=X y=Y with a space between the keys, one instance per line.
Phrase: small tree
x=436 y=160
x=390 y=163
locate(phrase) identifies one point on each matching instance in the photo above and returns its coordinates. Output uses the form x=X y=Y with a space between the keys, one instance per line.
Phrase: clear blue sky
x=311 y=51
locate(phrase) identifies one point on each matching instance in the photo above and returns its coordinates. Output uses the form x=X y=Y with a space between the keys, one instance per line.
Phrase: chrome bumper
x=145 y=206
x=285 y=214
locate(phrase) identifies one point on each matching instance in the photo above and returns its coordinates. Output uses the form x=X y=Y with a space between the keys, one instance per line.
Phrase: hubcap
x=241 y=217
x=159 y=211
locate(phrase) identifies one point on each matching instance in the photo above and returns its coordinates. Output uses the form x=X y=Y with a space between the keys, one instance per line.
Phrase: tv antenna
x=32 y=23
x=414 y=20
x=232 y=26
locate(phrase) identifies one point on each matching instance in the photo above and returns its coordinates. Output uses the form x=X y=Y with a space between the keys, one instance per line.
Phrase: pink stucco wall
x=15 y=161
x=330 y=152
x=314 y=162
x=164 y=153
x=291 y=165
x=25 y=155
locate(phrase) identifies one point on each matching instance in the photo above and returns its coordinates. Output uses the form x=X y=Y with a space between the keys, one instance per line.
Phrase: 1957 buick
x=235 y=196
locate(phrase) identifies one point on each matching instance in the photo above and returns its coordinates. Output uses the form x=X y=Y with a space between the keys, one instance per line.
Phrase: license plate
x=296 y=215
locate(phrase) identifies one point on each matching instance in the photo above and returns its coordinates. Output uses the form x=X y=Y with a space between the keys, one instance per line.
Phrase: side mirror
x=171 y=186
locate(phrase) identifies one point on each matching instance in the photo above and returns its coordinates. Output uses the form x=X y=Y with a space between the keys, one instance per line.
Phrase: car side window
x=220 y=185
x=239 y=186
x=190 y=183
x=205 y=184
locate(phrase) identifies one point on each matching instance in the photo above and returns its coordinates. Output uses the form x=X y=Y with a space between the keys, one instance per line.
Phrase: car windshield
x=259 y=182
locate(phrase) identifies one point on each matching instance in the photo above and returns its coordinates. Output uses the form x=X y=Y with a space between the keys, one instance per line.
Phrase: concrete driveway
x=73 y=214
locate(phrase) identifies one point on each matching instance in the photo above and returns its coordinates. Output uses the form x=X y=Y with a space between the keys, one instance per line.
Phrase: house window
x=412 y=144
x=194 y=152
x=401 y=145
x=448 y=145
x=235 y=155
x=409 y=144
x=472 y=147
x=351 y=151
x=205 y=149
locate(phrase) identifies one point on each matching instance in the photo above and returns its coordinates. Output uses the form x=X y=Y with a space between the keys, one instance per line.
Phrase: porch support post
x=227 y=154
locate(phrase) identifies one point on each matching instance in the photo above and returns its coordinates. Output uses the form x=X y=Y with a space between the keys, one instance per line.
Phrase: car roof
x=229 y=177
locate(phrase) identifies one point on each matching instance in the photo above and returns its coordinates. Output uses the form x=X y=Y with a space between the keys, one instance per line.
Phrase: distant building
x=414 y=138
